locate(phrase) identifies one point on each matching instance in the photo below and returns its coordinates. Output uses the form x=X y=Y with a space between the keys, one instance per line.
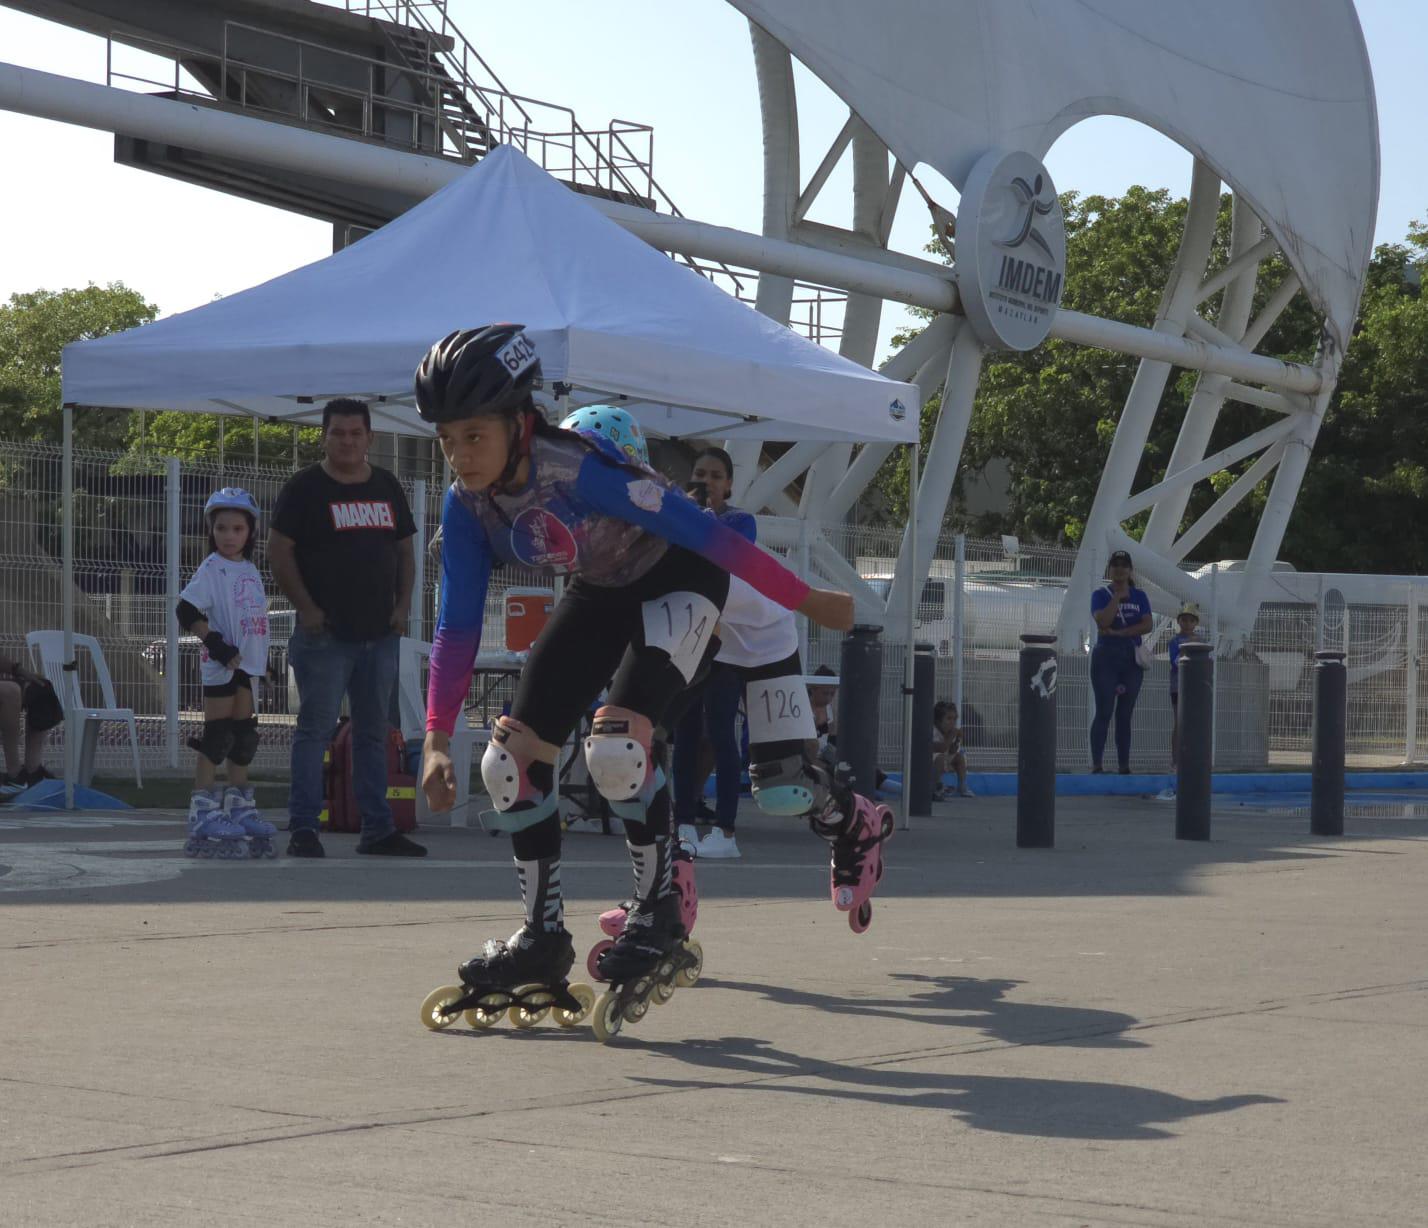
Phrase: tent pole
x=71 y=718
x=173 y=557
x=914 y=578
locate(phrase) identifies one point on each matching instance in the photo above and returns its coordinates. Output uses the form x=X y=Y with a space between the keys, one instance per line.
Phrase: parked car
x=275 y=695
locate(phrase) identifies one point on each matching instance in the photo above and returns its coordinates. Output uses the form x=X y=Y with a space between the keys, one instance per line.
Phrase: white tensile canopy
x=505 y=242
x=1271 y=95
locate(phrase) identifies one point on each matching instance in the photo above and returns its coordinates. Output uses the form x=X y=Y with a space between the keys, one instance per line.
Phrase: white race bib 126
x=779 y=710
x=682 y=624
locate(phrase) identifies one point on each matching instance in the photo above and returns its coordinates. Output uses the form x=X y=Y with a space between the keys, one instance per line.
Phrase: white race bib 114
x=682 y=624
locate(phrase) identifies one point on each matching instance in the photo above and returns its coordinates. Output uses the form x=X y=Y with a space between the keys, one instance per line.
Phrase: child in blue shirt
x=1122 y=614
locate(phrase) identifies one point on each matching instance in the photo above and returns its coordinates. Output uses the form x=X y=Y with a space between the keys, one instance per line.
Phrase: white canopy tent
x=611 y=317
x=608 y=314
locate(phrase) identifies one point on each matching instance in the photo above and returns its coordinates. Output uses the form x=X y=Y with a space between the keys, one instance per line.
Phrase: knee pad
x=792 y=786
x=245 y=742
x=621 y=756
x=216 y=742
x=506 y=767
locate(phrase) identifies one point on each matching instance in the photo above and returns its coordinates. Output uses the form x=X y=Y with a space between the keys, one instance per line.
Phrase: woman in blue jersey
x=1122 y=614
x=650 y=577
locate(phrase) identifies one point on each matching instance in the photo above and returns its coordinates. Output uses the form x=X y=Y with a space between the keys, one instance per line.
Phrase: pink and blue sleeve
x=668 y=514
x=465 y=575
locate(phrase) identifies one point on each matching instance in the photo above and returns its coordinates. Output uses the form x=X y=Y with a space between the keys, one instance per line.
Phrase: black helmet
x=490 y=370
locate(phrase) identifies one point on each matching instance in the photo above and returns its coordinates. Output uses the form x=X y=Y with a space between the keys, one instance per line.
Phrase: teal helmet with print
x=615 y=424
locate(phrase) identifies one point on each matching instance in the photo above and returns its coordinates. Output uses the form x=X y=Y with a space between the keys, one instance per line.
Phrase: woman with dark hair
x=1122 y=614
x=650 y=579
x=714 y=709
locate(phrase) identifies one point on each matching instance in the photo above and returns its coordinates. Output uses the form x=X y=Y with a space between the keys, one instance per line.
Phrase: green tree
x=34 y=329
x=1052 y=413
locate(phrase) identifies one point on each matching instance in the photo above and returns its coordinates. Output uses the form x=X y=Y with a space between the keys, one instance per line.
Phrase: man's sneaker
x=393 y=844
x=716 y=844
x=305 y=843
x=689 y=834
x=965 y=792
x=33 y=778
x=10 y=786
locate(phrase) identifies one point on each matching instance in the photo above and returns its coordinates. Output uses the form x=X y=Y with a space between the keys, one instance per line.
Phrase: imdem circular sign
x=1011 y=250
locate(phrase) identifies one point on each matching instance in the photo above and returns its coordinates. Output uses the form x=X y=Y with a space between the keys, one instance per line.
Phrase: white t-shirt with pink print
x=230 y=594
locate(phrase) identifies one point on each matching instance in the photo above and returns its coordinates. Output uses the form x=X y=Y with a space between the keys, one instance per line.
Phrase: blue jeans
x=326 y=668
x=717 y=710
x=1115 y=682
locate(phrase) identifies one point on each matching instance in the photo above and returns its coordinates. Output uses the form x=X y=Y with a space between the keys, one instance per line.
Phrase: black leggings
x=594 y=633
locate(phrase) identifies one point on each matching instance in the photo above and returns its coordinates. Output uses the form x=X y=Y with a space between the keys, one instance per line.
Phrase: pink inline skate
x=612 y=921
x=857 y=861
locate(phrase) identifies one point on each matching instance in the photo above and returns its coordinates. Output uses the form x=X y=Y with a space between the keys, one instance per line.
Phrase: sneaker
x=688 y=834
x=716 y=845
x=965 y=792
x=394 y=844
x=940 y=793
x=27 y=779
x=304 y=842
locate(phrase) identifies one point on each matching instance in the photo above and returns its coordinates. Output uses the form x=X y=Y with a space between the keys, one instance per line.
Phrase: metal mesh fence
x=972 y=611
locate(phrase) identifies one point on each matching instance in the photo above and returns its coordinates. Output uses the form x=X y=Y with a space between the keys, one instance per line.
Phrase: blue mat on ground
x=49 y=795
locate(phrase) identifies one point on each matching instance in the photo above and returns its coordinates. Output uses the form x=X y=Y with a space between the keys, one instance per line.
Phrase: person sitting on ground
x=947 y=753
x=23 y=692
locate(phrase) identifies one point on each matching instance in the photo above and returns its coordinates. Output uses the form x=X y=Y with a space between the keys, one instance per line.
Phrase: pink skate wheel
x=592 y=961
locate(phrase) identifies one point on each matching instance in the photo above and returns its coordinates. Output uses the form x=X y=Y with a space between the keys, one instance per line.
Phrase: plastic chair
x=47 y=654
x=411 y=704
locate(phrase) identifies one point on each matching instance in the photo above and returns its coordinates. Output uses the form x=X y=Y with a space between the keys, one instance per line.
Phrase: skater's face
x=476 y=449
x=230 y=533
x=1188 y=623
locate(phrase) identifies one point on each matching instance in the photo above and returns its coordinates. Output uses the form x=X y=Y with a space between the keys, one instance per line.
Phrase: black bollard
x=1036 y=743
x=1196 y=751
x=1331 y=718
x=859 y=698
x=924 y=692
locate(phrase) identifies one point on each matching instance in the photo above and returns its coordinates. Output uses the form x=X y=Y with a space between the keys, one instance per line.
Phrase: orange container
x=527 y=610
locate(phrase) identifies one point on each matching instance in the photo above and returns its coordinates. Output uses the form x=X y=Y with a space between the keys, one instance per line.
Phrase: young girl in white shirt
x=225 y=607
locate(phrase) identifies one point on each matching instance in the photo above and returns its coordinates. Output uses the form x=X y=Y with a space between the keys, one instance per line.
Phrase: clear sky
x=69 y=216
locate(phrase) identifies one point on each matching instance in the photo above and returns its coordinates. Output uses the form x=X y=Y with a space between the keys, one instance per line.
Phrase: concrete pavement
x=1122 y=1030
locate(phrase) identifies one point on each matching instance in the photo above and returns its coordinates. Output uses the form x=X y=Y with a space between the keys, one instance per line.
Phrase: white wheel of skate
x=606 y=1020
x=686 y=977
x=487 y=1012
x=663 y=992
x=636 y=1010
x=524 y=1016
x=435 y=1012
x=568 y=1018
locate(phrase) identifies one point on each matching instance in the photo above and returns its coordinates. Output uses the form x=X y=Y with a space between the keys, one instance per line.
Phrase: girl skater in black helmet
x=650 y=577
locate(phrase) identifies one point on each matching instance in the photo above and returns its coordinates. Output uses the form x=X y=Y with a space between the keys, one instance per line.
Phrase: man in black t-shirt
x=341 y=551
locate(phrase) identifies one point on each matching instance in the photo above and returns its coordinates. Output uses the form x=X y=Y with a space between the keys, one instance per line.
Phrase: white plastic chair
x=47 y=654
x=411 y=703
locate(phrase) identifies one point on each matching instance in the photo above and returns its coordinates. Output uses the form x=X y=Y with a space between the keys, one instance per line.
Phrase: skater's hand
x=828 y=608
x=438 y=778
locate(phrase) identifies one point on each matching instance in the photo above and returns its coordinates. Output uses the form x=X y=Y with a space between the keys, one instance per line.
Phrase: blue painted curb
x=1110 y=784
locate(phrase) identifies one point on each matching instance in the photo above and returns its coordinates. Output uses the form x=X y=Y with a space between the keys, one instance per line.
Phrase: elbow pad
x=188 y=614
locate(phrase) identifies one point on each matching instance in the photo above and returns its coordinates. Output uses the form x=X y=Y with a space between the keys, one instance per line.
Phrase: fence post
x=859 y=698
x=1214 y=638
x=959 y=608
x=1326 y=798
x=1410 y=681
x=416 y=611
x=172 y=584
x=924 y=688
x=1196 y=752
x=1036 y=743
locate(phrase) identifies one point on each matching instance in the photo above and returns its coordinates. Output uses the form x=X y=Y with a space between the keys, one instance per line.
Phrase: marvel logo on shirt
x=362 y=514
x=345 y=537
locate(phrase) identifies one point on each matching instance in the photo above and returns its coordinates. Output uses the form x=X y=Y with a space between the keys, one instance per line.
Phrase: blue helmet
x=230 y=498
x=616 y=425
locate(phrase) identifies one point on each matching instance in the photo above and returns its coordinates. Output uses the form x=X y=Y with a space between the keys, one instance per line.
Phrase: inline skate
x=646 y=964
x=241 y=810
x=211 y=833
x=856 y=864
x=612 y=921
x=522 y=977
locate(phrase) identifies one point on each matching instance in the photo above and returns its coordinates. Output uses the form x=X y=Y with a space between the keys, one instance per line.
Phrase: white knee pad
x=618 y=754
x=505 y=767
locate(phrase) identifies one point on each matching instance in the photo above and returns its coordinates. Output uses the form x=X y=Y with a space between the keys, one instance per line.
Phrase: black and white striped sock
x=540 y=892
